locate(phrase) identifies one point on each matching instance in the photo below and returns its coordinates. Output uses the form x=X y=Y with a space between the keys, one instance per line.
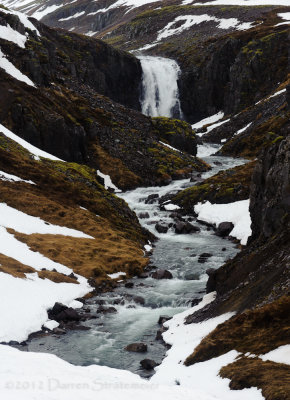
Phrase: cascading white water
x=160 y=95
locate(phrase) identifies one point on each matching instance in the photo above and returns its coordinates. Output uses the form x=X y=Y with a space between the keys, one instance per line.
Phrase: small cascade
x=160 y=95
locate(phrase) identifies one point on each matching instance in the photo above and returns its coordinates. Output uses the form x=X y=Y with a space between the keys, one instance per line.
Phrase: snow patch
x=171 y=207
x=208 y=121
x=116 y=275
x=11 y=70
x=279 y=355
x=24 y=223
x=108 y=182
x=13 y=178
x=77 y=15
x=43 y=11
x=237 y=213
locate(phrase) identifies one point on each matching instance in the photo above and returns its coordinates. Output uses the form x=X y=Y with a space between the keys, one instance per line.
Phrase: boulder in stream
x=162 y=274
x=161 y=227
x=137 y=347
x=224 y=229
x=148 y=364
x=185 y=227
x=204 y=257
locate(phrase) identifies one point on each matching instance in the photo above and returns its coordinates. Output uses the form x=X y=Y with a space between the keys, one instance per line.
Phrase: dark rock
x=195 y=302
x=148 y=364
x=224 y=229
x=139 y=300
x=143 y=215
x=152 y=198
x=137 y=347
x=143 y=276
x=161 y=227
x=204 y=257
x=224 y=249
x=161 y=274
x=163 y=318
x=129 y=285
x=185 y=228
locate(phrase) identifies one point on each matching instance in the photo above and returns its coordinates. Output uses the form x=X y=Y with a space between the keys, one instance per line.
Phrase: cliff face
x=270 y=194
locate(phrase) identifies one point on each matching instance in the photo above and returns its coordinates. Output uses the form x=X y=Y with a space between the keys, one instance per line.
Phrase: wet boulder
x=185 y=228
x=129 y=285
x=60 y=312
x=148 y=364
x=161 y=227
x=144 y=215
x=224 y=229
x=137 y=347
x=161 y=274
x=152 y=198
x=139 y=300
x=204 y=257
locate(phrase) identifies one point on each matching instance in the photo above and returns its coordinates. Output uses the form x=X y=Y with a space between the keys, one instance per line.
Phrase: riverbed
x=110 y=333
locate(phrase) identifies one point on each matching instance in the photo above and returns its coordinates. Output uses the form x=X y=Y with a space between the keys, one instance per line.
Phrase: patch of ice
x=237 y=213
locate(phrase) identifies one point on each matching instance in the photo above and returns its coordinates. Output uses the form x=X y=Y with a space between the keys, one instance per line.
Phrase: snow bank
x=279 y=355
x=237 y=213
x=171 y=207
x=201 y=378
x=26 y=312
x=32 y=149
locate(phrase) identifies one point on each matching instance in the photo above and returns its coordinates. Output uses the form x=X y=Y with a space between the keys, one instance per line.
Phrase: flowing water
x=160 y=95
x=134 y=322
x=104 y=343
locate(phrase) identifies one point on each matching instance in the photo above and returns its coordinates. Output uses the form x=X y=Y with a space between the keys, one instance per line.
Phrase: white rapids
x=160 y=94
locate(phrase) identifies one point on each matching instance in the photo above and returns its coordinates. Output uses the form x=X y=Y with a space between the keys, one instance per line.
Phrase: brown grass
x=272 y=378
x=13 y=267
x=257 y=331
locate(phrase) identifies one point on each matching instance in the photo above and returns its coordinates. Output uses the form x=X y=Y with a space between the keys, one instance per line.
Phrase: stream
x=109 y=334
x=136 y=319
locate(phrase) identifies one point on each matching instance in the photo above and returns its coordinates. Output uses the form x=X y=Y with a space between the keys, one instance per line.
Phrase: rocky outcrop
x=270 y=194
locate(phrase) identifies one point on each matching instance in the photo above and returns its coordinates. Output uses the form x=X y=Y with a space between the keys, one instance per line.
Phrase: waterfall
x=160 y=96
